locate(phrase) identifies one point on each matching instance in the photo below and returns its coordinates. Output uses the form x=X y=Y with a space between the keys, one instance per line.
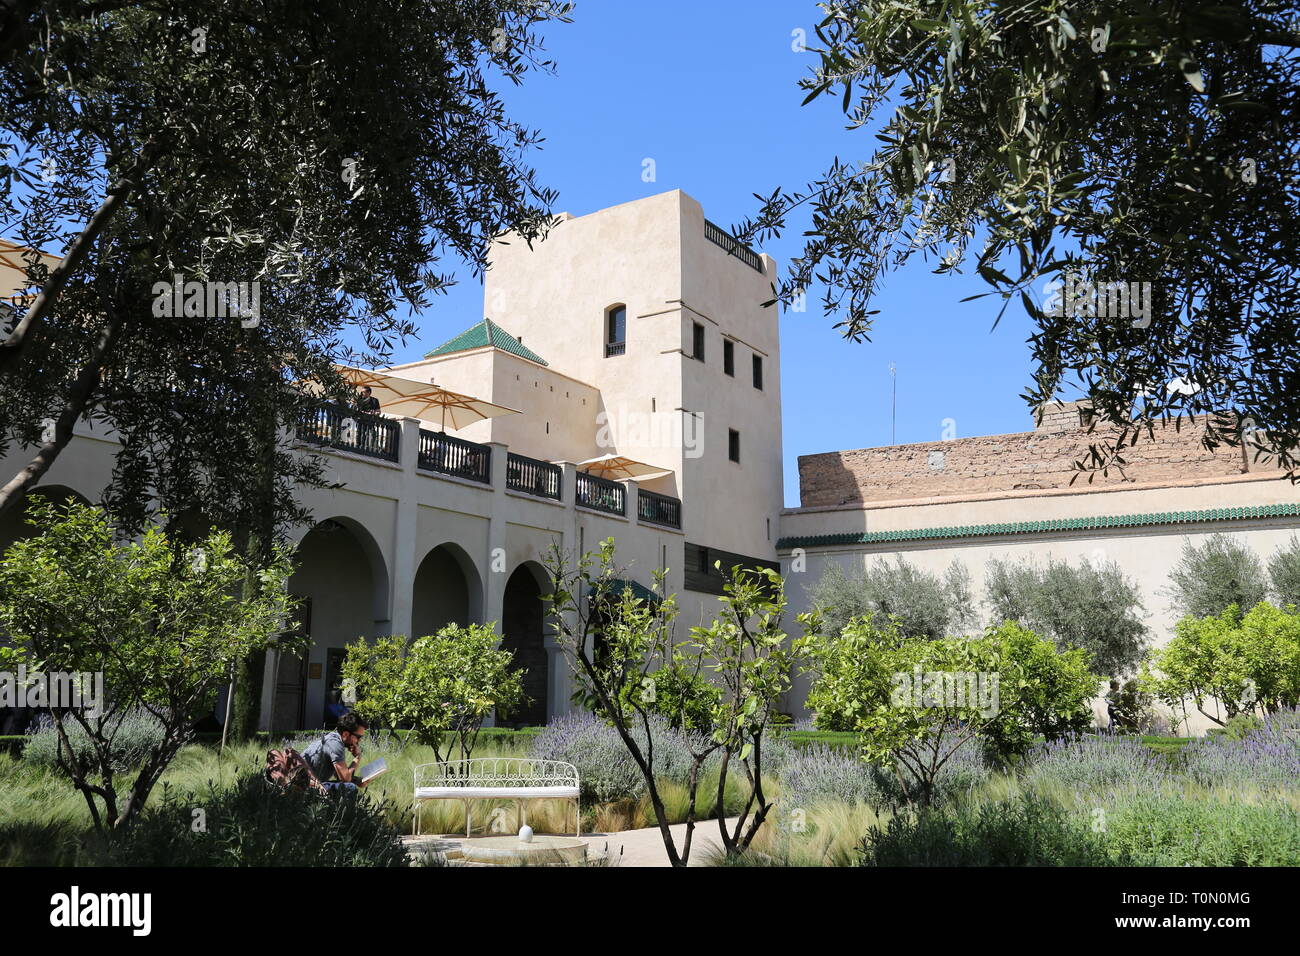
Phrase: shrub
x=1086 y=765
x=822 y=774
x=1027 y=831
x=1241 y=726
x=1092 y=607
x=1169 y=830
x=254 y=824
x=1219 y=573
x=1265 y=756
x=132 y=736
x=606 y=770
x=920 y=603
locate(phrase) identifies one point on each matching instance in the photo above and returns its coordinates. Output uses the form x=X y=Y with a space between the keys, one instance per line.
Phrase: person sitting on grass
x=327 y=756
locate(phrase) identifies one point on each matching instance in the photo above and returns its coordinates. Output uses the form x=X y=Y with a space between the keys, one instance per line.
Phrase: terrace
x=382 y=438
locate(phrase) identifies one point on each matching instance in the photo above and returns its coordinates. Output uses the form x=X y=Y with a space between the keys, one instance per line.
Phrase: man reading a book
x=328 y=759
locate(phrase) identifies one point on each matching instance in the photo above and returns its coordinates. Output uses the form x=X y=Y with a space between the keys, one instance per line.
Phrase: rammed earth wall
x=1038 y=460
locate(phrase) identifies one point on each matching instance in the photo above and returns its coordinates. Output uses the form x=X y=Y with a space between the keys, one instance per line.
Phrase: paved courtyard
x=626 y=848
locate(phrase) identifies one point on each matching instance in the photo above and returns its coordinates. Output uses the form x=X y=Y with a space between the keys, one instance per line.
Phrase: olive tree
x=1079 y=156
x=1284 y=572
x=331 y=154
x=1216 y=574
x=922 y=604
x=162 y=623
x=1092 y=605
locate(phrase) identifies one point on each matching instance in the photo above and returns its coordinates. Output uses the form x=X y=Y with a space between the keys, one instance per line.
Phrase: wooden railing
x=601 y=494
x=533 y=477
x=453 y=456
x=363 y=433
x=720 y=237
x=655 y=508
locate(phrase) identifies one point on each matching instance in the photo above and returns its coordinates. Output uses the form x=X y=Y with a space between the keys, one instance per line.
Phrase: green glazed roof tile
x=482 y=335
x=1288 y=509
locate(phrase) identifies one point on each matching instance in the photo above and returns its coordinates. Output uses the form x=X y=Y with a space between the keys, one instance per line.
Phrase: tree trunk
x=79 y=397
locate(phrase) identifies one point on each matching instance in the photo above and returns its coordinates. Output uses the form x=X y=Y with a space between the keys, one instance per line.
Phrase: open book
x=371 y=770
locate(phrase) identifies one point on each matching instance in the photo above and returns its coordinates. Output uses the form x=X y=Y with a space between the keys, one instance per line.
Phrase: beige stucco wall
x=556 y=412
x=1145 y=554
x=652 y=256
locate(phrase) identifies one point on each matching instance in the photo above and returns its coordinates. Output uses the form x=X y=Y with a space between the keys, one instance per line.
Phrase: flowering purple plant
x=1268 y=756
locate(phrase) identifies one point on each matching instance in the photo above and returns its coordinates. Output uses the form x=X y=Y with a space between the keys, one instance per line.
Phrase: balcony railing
x=453 y=456
x=349 y=430
x=601 y=494
x=720 y=237
x=655 y=508
x=615 y=348
x=373 y=435
x=533 y=477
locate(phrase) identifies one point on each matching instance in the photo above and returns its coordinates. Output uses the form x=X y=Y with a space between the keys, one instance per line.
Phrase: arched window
x=615 y=330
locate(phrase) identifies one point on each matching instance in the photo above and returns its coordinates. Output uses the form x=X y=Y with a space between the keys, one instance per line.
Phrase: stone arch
x=13 y=523
x=524 y=633
x=447 y=590
x=341 y=580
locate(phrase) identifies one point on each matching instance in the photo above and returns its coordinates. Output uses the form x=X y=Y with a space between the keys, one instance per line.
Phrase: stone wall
x=1040 y=459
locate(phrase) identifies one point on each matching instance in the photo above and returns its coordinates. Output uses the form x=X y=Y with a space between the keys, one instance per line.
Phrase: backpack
x=287 y=768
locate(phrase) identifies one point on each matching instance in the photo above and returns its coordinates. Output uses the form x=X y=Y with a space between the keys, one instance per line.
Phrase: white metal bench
x=491 y=778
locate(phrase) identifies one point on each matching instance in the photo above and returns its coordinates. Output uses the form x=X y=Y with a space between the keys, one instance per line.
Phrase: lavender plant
x=1089 y=764
x=606 y=769
x=822 y=774
x=1268 y=756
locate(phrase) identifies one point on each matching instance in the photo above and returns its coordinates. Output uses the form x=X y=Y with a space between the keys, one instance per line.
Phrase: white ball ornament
x=525 y=834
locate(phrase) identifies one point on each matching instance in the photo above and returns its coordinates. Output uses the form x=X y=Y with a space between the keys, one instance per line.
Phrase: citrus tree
x=622 y=647
x=162 y=622
x=1229 y=663
x=442 y=686
x=915 y=703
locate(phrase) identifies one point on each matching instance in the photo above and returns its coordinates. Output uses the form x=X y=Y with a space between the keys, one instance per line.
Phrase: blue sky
x=708 y=90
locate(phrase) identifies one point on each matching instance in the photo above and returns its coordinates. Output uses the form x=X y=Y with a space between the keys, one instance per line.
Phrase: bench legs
x=521 y=816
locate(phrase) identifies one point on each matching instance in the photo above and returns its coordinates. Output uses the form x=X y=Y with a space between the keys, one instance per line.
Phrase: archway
x=13 y=523
x=523 y=629
x=447 y=590
x=341 y=582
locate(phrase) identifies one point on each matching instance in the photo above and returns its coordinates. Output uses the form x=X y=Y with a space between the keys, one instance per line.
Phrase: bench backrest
x=497 y=772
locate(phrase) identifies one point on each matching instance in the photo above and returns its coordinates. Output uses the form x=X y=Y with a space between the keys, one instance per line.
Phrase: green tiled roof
x=618 y=585
x=484 y=334
x=1051 y=526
